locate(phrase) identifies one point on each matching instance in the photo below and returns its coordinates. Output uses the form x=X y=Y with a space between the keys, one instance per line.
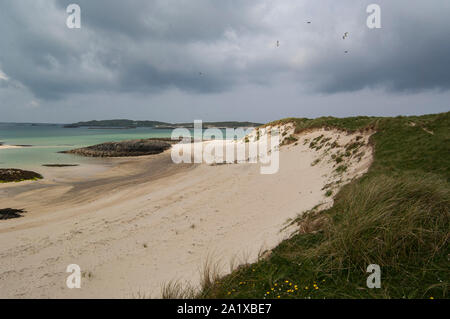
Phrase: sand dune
x=135 y=224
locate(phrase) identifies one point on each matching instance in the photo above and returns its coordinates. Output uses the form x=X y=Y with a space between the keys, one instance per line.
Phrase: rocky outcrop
x=123 y=149
x=60 y=165
x=8 y=175
x=9 y=213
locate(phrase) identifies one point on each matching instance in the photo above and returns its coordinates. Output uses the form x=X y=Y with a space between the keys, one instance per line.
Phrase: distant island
x=130 y=124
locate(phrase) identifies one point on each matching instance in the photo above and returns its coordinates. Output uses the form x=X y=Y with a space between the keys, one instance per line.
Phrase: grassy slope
x=396 y=216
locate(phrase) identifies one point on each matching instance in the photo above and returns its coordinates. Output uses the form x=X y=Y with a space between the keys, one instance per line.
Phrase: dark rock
x=60 y=165
x=123 y=149
x=17 y=175
x=9 y=213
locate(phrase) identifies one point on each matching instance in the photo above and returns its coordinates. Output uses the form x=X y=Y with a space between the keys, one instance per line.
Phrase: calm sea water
x=48 y=140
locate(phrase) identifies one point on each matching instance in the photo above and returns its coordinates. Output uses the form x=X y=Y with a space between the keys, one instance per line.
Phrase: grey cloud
x=167 y=20
x=208 y=47
x=121 y=47
x=409 y=53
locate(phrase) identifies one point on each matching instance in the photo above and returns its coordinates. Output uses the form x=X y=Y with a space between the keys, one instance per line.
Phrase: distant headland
x=130 y=124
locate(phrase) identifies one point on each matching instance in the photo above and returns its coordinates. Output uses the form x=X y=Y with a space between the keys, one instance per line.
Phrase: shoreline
x=135 y=224
x=6 y=147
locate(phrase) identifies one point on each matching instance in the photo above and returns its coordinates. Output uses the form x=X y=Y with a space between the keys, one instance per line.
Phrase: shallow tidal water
x=45 y=141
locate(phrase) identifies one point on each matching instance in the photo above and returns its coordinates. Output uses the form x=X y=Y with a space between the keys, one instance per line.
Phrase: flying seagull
x=345 y=51
x=345 y=35
x=309 y=22
x=278 y=44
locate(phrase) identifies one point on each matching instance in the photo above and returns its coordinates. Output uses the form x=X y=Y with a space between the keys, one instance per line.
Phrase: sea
x=42 y=143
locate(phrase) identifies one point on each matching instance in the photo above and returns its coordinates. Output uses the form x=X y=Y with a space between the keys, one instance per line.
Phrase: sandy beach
x=134 y=224
x=5 y=147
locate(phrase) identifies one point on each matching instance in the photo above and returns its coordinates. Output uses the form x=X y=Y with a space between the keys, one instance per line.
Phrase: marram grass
x=396 y=216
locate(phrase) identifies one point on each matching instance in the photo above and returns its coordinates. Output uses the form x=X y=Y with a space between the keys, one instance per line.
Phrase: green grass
x=396 y=216
x=290 y=139
x=341 y=168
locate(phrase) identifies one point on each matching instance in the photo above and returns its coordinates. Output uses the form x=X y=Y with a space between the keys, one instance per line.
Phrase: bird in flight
x=345 y=51
x=278 y=44
x=345 y=35
x=309 y=22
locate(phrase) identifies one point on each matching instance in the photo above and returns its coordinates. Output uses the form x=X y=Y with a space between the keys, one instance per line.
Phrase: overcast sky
x=182 y=60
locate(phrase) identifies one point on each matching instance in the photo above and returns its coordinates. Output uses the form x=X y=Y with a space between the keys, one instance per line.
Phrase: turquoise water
x=48 y=140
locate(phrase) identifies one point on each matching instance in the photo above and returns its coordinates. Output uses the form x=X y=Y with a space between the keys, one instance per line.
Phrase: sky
x=211 y=60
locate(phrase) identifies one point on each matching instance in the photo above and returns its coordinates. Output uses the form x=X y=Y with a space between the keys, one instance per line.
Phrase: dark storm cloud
x=180 y=21
x=38 y=53
x=411 y=52
x=207 y=46
x=137 y=45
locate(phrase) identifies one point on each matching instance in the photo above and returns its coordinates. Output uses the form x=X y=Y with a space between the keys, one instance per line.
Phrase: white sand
x=5 y=147
x=131 y=237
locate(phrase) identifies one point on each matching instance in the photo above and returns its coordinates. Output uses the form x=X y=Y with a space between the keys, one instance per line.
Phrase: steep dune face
x=341 y=154
x=131 y=241
x=344 y=155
